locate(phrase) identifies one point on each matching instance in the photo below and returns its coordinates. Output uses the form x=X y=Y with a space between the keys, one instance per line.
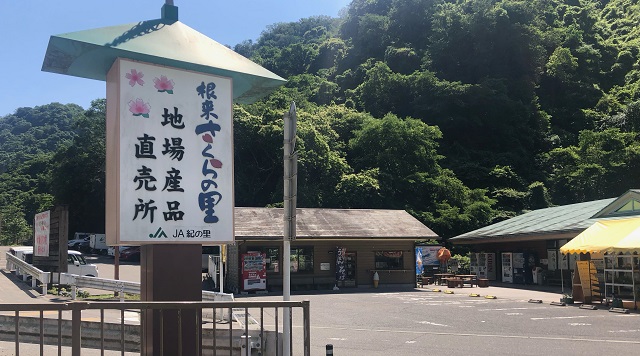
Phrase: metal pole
x=329 y=350
x=290 y=188
x=221 y=271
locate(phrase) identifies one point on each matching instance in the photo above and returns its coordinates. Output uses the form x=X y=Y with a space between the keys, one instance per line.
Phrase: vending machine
x=507 y=267
x=483 y=265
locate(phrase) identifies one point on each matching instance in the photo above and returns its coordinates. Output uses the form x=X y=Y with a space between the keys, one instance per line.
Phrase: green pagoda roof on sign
x=165 y=41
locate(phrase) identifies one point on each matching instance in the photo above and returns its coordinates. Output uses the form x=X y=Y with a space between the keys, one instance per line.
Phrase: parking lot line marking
x=503 y=309
x=550 y=338
x=569 y=317
x=430 y=323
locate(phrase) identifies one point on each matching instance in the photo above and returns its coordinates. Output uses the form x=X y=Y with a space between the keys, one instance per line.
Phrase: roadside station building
x=528 y=245
x=359 y=241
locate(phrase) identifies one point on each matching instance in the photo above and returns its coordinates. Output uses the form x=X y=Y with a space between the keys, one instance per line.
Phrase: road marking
x=569 y=317
x=430 y=323
x=410 y=342
x=512 y=313
x=579 y=324
x=503 y=309
x=625 y=331
x=337 y=339
x=550 y=338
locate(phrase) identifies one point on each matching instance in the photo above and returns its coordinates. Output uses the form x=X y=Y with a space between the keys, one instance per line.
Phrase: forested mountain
x=462 y=112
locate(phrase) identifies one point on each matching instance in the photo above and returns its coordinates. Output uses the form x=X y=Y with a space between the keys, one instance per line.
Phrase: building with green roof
x=536 y=236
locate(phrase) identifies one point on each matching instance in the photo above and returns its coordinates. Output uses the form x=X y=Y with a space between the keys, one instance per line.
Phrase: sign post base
x=170 y=273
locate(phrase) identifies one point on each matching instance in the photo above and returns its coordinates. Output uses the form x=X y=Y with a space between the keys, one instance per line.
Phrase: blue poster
x=419 y=265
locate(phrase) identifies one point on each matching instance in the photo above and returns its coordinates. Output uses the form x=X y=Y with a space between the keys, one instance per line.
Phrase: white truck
x=76 y=264
x=98 y=244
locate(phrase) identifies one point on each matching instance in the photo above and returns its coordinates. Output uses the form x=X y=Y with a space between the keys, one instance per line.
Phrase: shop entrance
x=350 y=267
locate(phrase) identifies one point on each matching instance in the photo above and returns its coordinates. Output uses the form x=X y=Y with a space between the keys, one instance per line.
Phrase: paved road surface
x=419 y=321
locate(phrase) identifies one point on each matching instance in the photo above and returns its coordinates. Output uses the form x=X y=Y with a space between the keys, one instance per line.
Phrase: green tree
x=602 y=164
x=78 y=175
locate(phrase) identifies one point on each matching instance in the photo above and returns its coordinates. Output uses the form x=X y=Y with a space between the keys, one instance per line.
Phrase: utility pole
x=290 y=192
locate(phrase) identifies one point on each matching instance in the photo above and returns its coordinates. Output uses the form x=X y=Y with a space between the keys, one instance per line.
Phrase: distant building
x=367 y=240
x=533 y=239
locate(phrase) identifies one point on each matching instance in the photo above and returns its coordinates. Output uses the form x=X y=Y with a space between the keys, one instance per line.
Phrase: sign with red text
x=41 y=226
x=169 y=156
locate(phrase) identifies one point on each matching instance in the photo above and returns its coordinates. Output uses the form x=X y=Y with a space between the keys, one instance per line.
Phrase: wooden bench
x=425 y=281
x=454 y=282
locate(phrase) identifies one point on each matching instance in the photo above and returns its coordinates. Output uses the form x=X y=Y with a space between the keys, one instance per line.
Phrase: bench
x=454 y=282
x=425 y=281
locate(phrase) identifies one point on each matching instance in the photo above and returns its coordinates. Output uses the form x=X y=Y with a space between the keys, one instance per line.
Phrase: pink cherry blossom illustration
x=215 y=163
x=139 y=108
x=163 y=84
x=207 y=138
x=135 y=77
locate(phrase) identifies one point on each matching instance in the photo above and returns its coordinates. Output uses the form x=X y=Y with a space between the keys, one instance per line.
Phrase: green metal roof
x=166 y=41
x=554 y=220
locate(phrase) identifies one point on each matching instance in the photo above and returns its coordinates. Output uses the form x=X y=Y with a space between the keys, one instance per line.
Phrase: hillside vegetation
x=462 y=112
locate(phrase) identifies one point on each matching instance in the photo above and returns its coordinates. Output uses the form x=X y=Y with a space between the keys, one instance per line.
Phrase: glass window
x=632 y=205
x=302 y=259
x=389 y=260
x=273 y=259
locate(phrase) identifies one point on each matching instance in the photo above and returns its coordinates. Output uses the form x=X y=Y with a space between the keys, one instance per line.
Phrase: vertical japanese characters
x=175 y=160
x=210 y=196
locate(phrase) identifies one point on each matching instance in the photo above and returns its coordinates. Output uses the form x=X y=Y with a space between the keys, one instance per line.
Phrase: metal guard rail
x=124 y=287
x=77 y=307
x=36 y=274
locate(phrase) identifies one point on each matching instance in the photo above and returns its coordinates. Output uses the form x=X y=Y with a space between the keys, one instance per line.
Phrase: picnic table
x=470 y=278
x=439 y=277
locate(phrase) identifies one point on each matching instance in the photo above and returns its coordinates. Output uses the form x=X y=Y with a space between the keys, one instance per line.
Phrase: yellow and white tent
x=607 y=236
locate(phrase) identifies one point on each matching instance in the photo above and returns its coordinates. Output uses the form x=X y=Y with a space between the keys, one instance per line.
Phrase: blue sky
x=27 y=25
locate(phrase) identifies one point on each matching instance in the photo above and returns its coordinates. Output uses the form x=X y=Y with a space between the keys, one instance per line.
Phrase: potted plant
x=567 y=299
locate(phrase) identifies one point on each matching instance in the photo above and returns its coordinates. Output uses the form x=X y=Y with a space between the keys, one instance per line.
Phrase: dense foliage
x=463 y=112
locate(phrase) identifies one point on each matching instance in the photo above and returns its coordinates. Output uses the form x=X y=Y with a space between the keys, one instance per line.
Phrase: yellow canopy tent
x=607 y=236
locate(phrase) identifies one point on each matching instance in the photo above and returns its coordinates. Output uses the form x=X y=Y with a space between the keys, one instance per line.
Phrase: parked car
x=131 y=254
x=79 y=240
x=76 y=263
x=111 y=252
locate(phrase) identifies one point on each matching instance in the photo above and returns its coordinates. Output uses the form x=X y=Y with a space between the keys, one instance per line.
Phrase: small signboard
x=585 y=282
x=41 y=227
x=169 y=156
x=341 y=264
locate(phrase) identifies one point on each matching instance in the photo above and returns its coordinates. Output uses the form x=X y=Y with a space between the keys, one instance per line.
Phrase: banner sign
x=41 y=227
x=169 y=155
x=254 y=271
x=341 y=261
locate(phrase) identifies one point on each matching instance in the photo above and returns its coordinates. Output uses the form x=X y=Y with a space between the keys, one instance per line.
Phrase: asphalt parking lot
x=413 y=321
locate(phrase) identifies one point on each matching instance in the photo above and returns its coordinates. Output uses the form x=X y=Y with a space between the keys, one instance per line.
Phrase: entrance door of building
x=350 y=266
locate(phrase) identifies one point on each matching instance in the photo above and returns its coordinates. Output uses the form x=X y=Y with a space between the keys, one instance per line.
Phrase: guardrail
x=23 y=269
x=122 y=287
